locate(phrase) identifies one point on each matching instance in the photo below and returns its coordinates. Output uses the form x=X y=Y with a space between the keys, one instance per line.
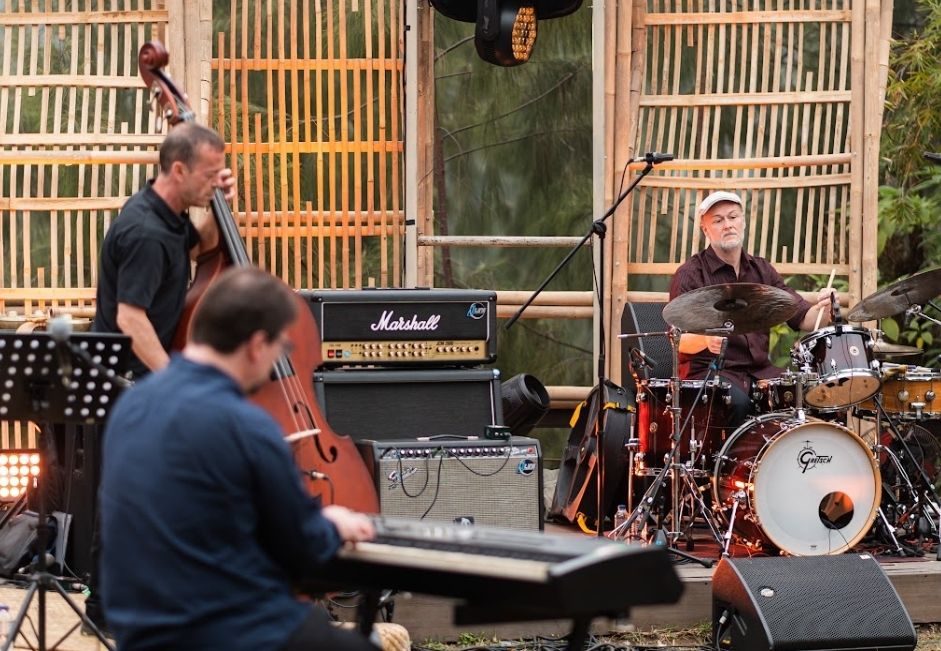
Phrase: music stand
x=70 y=379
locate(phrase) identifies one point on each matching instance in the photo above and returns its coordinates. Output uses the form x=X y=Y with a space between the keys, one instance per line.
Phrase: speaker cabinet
x=645 y=317
x=495 y=483
x=815 y=602
x=384 y=405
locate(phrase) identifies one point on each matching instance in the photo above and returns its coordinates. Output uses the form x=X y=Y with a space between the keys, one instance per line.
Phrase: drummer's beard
x=732 y=243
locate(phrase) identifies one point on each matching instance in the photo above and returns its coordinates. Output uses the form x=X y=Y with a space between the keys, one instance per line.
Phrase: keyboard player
x=205 y=523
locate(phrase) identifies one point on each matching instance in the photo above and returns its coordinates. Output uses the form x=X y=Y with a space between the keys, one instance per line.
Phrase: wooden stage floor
x=918 y=582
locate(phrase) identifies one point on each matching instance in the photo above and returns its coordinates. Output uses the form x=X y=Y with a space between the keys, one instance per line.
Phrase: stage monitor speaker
x=814 y=602
x=494 y=483
x=384 y=404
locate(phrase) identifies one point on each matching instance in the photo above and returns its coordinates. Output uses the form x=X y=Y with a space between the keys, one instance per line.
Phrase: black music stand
x=71 y=379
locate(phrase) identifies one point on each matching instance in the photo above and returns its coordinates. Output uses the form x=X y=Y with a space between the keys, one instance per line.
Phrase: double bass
x=331 y=466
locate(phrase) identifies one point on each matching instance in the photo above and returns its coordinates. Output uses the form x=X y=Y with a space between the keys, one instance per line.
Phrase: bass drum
x=806 y=487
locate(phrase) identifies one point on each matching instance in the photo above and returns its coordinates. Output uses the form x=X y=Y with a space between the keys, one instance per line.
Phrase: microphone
x=638 y=358
x=60 y=329
x=719 y=361
x=653 y=158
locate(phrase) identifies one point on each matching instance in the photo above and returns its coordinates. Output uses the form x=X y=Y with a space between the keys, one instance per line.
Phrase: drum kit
x=840 y=450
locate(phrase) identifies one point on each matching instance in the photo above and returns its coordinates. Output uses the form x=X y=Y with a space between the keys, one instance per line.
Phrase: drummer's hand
x=823 y=305
x=352 y=526
x=714 y=344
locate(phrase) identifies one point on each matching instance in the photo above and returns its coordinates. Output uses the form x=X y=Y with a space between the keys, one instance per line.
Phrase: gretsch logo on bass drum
x=389 y=323
x=808 y=459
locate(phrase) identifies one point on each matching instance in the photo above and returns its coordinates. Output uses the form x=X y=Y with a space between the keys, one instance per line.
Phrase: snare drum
x=909 y=395
x=774 y=394
x=842 y=358
x=709 y=416
x=806 y=487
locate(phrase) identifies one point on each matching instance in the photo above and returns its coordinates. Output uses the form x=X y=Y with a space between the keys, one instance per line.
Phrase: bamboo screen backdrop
x=779 y=101
x=306 y=92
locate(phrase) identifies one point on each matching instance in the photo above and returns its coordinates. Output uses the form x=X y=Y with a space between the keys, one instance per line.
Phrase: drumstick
x=829 y=286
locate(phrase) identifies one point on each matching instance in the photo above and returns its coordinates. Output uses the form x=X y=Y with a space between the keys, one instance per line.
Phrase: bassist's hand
x=226 y=183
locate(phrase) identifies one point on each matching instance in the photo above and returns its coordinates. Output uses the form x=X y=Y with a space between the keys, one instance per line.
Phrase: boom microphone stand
x=598 y=228
x=47 y=388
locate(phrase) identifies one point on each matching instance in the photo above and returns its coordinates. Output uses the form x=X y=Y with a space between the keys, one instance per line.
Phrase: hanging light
x=18 y=470
x=505 y=33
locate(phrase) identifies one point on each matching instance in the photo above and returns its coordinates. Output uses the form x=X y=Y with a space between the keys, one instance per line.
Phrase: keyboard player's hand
x=352 y=526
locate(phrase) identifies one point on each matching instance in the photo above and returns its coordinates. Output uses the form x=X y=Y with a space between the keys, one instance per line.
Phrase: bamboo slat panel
x=307 y=94
x=75 y=142
x=762 y=98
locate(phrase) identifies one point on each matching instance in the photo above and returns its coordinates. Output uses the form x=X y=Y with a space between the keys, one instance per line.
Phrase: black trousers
x=317 y=632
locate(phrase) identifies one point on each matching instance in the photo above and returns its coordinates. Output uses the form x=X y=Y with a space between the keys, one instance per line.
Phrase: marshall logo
x=393 y=477
x=808 y=459
x=389 y=323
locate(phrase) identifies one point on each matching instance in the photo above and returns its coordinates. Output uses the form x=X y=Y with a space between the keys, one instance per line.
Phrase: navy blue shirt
x=145 y=262
x=205 y=522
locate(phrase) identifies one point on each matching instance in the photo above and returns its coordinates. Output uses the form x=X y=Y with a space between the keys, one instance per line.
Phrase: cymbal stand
x=673 y=468
x=923 y=494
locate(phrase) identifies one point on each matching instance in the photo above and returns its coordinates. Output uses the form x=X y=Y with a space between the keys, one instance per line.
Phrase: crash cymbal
x=898 y=297
x=747 y=307
x=884 y=349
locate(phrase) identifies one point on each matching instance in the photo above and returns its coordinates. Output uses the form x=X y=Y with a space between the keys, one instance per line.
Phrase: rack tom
x=843 y=359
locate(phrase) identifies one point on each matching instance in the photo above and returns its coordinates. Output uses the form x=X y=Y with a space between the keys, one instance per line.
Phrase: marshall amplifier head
x=405 y=327
x=466 y=481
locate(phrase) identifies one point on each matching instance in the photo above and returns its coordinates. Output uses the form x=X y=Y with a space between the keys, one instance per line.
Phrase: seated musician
x=206 y=525
x=722 y=220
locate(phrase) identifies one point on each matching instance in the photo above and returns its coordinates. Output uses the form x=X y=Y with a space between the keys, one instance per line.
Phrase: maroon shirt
x=747 y=354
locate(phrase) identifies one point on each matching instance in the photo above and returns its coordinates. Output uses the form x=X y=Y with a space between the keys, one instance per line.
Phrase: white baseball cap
x=717 y=197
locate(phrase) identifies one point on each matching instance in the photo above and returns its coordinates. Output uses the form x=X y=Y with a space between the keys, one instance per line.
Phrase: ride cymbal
x=898 y=297
x=884 y=349
x=745 y=307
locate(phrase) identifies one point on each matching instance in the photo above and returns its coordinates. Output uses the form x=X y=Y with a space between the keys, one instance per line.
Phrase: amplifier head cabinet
x=405 y=327
x=495 y=483
x=396 y=404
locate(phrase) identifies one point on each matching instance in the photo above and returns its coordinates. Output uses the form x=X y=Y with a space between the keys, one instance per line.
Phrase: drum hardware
x=678 y=471
x=923 y=496
x=738 y=498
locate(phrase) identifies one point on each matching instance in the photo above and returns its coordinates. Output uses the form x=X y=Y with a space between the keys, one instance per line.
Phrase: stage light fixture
x=18 y=469
x=505 y=33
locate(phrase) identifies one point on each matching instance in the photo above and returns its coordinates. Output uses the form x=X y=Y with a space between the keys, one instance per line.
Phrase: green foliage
x=515 y=159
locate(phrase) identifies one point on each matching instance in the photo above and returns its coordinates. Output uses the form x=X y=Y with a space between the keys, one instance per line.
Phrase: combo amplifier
x=495 y=483
x=405 y=327
x=406 y=403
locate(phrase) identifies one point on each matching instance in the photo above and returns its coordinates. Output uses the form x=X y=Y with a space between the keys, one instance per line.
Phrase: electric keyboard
x=507 y=575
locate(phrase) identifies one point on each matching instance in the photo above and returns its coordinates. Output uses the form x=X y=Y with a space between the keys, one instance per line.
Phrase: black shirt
x=747 y=354
x=145 y=262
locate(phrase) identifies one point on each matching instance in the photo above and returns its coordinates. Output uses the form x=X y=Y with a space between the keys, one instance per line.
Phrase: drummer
x=722 y=220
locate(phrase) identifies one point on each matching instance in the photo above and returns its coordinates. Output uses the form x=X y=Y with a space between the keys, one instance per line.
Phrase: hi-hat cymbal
x=746 y=307
x=883 y=349
x=898 y=297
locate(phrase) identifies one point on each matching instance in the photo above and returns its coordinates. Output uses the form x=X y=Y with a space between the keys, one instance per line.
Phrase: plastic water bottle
x=620 y=517
x=5 y=619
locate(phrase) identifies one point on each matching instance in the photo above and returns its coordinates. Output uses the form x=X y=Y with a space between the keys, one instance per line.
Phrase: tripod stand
x=49 y=387
x=599 y=229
